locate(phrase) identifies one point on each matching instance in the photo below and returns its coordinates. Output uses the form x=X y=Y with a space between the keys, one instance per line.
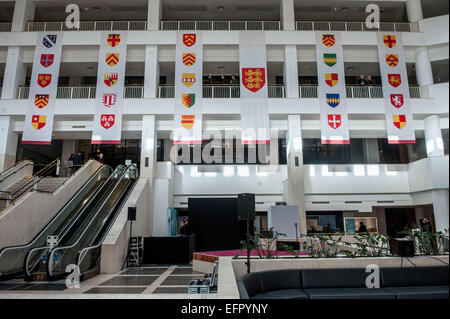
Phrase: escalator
x=81 y=244
x=12 y=259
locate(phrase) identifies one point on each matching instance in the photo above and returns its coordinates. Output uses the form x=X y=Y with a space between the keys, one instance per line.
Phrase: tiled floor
x=150 y=279
x=167 y=279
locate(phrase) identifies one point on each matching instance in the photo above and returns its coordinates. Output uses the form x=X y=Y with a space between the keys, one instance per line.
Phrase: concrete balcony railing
x=221 y=25
x=355 y=26
x=5 y=26
x=356 y=92
x=215 y=92
x=88 y=26
x=218 y=25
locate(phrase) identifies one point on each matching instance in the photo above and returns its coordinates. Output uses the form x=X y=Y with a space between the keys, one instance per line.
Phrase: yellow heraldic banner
x=188 y=111
x=394 y=76
x=107 y=127
x=331 y=91
x=253 y=90
x=38 y=125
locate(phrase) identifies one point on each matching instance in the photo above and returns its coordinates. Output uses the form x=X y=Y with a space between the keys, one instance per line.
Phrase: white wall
x=435 y=30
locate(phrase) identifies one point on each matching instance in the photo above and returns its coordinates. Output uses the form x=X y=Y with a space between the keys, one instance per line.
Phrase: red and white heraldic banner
x=253 y=88
x=331 y=91
x=394 y=76
x=188 y=112
x=112 y=58
x=38 y=127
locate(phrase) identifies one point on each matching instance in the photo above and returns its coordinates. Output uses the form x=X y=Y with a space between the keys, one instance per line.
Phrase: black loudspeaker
x=246 y=206
x=132 y=213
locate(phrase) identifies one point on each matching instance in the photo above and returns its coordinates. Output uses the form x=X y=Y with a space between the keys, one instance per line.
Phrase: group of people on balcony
x=362 y=81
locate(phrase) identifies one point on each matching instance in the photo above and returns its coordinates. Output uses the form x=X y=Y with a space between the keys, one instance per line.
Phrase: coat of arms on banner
x=112 y=59
x=38 y=121
x=254 y=79
x=41 y=100
x=189 y=39
x=188 y=100
x=395 y=80
x=392 y=60
x=111 y=78
x=113 y=40
x=107 y=120
x=328 y=40
x=332 y=79
x=334 y=120
x=397 y=100
x=330 y=59
x=189 y=59
x=390 y=41
x=399 y=121
x=333 y=100
x=109 y=99
x=49 y=40
x=44 y=79
x=187 y=121
x=188 y=79
x=47 y=60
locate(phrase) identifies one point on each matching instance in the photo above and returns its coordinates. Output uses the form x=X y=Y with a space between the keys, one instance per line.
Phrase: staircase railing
x=5 y=175
x=12 y=196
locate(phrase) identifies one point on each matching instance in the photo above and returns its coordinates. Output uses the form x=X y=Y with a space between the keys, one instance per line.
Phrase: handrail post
x=35 y=183
x=58 y=165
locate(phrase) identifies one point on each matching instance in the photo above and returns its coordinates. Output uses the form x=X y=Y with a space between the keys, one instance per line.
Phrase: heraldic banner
x=399 y=119
x=112 y=59
x=38 y=125
x=331 y=91
x=188 y=112
x=253 y=88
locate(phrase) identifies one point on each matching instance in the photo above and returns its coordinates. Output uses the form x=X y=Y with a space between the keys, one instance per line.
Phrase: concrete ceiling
x=334 y=10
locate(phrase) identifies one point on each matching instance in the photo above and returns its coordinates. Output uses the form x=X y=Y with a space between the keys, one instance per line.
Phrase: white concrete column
x=23 y=12
x=151 y=76
x=287 y=14
x=290 y=75
x=441 y=209
x=154 y=14
x=433 y=136
x=8 y=143
x=148 y=163
x=424 y=72
x=15 y=73
x=414 y=10
x=296 y=179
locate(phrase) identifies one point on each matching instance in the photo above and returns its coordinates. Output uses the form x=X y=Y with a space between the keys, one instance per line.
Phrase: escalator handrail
x=29 y=253
x=53 y=219
x=80 y=255
x=52 y=252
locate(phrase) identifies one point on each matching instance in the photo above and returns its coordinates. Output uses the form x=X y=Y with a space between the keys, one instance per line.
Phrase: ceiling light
x=95 y=9
x=220 y=9
x=91 y=68
x=220 y=68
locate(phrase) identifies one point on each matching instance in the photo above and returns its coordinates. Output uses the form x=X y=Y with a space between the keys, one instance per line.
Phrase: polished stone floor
x=150 y=279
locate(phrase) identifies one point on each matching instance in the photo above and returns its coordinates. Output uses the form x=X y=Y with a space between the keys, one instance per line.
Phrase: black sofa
x=346 y=283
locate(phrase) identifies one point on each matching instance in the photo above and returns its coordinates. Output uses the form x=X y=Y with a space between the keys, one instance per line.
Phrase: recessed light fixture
x=221 y=9
x=91 y=68
x=220 y=68
x=95 y=9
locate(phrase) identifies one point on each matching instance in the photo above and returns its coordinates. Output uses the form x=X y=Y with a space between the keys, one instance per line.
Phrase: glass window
x=324 y=222
x=445 y=140
x=314 y=152
x=392 y=153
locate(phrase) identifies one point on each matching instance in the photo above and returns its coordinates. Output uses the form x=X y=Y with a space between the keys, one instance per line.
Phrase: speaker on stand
x=246 y=211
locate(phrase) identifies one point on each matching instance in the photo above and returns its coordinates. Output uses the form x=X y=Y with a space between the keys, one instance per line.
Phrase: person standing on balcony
x=77 y=161
x=362 y=80
x=234 y=80
x=371 y=81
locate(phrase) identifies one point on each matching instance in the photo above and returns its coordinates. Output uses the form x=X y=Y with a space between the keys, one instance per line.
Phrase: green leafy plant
x=323 y=245
x=369 y=245
x=263 y=243
x=426 y=243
